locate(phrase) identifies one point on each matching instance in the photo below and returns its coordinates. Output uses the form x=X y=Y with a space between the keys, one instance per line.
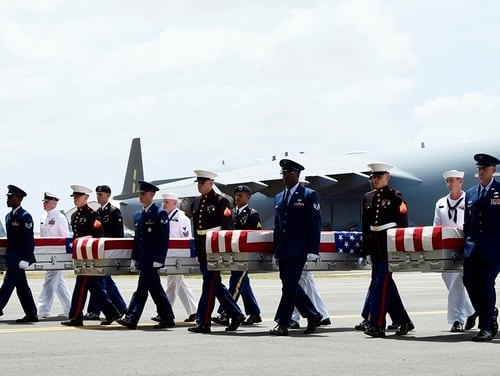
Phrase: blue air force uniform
x=482 y=248
x=152 y=232
x=20 y=247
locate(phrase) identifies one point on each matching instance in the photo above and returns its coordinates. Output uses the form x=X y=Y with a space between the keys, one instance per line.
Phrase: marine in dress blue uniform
x=19 y=255
x=148 y=255
x=211 y=211
x=482 y=245
x=112 y=224
x=383 y=208
x=244 y=218
x=297 y=232
x=85 y=222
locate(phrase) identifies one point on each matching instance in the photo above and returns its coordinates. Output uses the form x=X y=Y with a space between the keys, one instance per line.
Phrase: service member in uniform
x=18 y=255
x=297 y=233
x=148 y=255
x=211 y=212
x=85 y=222
x=244 y=218
x=53 y=223
x=112 y=224
x=449 y=211
x=482 y=245
x=180 y=227
x=383 y=208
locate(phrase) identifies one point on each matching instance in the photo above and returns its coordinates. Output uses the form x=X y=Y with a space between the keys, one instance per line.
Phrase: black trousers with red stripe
x=97 y=288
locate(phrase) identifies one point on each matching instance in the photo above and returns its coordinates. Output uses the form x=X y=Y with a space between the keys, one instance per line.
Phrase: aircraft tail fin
x=134 y=172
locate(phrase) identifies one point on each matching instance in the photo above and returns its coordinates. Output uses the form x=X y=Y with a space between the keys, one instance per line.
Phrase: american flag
x=348 y=241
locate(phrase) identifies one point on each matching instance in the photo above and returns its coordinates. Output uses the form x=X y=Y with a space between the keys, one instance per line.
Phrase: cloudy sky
x=204 y=81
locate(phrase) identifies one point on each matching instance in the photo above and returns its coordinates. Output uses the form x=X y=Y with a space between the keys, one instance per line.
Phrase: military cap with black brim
x=485 y=160
x=145 y=186
x=13 y=190
x=287 y=165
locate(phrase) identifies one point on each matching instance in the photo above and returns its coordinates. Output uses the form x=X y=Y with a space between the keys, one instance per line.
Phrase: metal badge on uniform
x=298 y=203
x=15 y=224
x=52 y=222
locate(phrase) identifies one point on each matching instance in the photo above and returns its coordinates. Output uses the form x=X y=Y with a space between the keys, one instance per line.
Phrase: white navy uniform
x=309 y=285
x=180 y=227
x=54 y=224
x=451 y=213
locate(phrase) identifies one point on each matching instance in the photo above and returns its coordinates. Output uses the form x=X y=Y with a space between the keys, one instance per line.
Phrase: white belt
x=384 y=227
x=204 y=232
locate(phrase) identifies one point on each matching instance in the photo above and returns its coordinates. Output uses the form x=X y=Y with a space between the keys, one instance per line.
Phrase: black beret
x=485 y=160
x=13 y=190
x=144 y=186
x=288 y=165
x=103 y=188
x=243 y=188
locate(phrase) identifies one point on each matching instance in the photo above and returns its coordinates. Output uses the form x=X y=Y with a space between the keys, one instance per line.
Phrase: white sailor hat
x=203 y=175
x=453 y=174
x=79 y=190
x=47 y=196
x=170 y=196
x=379 y=168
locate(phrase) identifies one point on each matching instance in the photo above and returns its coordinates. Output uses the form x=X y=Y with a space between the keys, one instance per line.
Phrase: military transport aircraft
x=339 y=180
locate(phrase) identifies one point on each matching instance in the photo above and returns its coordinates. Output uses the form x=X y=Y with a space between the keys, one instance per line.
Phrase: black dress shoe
x=363 y=325
x=252 y=319
x=393 y=326
x=312 y=323
x=494 y=323
x=72 y=322
x=91 y=316
x=373 y=331
x=127 y=323
x=457 y=327
x=28 y=318
x=471 y=321
x=326 y=321
x=112 y=318
x=200 y=328
x=222 y=319
x=164 y=324
x=235 y=323
x=404 y=329
x=190 y=318
x=482 y=336
x=294 y=325
x=279 y=330
x=156 y=318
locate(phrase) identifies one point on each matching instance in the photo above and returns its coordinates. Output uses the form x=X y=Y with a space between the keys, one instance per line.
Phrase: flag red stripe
x=214 y=242
x=437 y=237
x=417 y=239
x=400 y=240
x=228 y=236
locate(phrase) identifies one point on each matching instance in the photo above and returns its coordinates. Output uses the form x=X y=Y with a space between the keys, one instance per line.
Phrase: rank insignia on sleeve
x=402 y=208
x=97 y=224
x=227 y=212
x=28 y=225
x=316 y=206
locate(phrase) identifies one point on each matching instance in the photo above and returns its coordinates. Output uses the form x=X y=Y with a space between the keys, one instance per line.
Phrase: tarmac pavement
x=48 y=348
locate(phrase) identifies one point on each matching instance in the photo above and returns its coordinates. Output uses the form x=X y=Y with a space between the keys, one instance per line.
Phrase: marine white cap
x=202 y=175
x=170 y=196
x=453 y=174
x=80 y=190
x=379 y=168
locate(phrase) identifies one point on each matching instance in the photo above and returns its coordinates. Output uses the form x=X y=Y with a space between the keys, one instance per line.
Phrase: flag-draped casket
x=252 y=250
x=50 y=254
x=426 y=249
x=109 y=256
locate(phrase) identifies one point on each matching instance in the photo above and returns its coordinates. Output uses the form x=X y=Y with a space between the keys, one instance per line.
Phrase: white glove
x=157 y=264
x=312 y=257
x=274 y=261
x=24 y=264
x=133 y=266
x=362 y=261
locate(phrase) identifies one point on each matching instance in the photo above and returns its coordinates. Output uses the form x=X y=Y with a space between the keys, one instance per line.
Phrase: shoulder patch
x=227 y=212
x=97 y=224
x=403 y=209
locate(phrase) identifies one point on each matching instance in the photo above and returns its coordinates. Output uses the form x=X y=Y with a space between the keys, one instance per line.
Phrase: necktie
x=287 y=196
x=483 y=193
